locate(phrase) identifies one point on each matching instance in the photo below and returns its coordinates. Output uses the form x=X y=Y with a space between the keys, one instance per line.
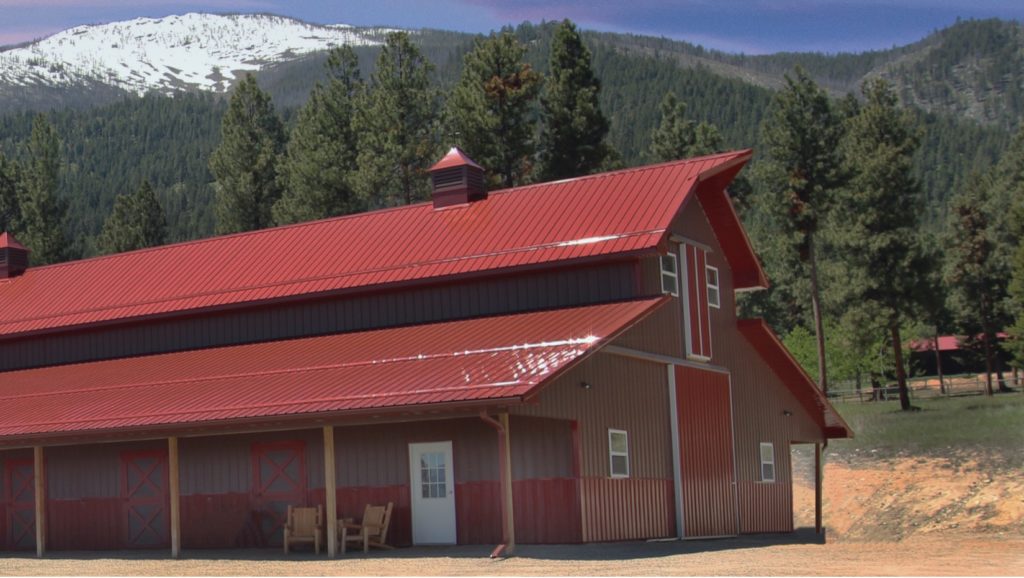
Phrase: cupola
x=13 y=256
x=457 y=180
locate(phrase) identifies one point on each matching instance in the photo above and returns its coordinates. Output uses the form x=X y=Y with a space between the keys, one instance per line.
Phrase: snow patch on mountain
x=182 y=52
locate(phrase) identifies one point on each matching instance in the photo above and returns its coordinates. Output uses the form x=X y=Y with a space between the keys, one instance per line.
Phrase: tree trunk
x=901 y=376
x=819 y=327
x=938 y=364
x=988 y=363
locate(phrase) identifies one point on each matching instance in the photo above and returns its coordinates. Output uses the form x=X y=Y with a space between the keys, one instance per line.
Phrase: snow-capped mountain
x=186 y=52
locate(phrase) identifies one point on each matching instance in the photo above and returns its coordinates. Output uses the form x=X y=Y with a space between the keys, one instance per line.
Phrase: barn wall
x=8 y=459
x=633 y=396
x=559 y=288
x=759 y=399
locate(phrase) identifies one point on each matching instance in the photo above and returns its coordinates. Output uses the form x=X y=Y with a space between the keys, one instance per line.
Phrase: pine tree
x=877 y=233
x=397 y=123
x=976 y=278
x=572 y=141
x=10 y=192
x=490 y=109
x=799 y=177
x=43 y=213
x=136 y=222
x=316 y=170
x=244 y=166
x=677 y=137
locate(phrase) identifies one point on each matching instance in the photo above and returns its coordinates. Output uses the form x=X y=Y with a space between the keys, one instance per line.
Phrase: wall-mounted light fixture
x=585 y=384
x=787 y=413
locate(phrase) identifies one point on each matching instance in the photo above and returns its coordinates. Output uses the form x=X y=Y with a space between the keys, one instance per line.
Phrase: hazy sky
x=751 y=26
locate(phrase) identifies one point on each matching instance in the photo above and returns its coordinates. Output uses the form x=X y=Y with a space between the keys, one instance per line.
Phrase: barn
x=553 y=363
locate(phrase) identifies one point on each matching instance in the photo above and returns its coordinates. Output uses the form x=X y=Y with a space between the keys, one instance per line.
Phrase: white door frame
x=433 y=517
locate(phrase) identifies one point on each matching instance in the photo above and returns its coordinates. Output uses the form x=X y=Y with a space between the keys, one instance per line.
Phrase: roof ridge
x=353 y=216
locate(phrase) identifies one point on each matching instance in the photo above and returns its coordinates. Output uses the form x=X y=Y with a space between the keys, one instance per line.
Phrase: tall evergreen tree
x=43 y=213
x=320 y=158
x=800 y=176
x=10 y=193
x=877 y=234
x=976 y=278
x=678 y=137
x=136 y=222
x=397 y=122
x=572 y=141
x=244 y=166
x=490 y=109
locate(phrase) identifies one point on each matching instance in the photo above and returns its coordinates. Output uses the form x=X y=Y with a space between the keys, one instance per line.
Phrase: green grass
x=943 y=426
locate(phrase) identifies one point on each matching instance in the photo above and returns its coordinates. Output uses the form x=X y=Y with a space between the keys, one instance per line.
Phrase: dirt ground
x=894 y=517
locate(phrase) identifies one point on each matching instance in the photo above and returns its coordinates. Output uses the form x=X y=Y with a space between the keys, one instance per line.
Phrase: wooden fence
x=928 y=388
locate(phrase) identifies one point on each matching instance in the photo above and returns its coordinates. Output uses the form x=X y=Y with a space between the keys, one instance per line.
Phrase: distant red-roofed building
x=513 y=366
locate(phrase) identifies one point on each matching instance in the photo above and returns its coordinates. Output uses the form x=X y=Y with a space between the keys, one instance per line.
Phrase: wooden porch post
x=39 y=480
x=331 y=519
x=817 y=488
x=175 y=479
x=505 y=467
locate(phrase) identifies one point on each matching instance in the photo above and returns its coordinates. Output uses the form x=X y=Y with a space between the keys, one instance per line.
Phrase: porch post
x=39 y=481
x=331 y=518
x=173 y=476
x=505 y=467
x=817 y=488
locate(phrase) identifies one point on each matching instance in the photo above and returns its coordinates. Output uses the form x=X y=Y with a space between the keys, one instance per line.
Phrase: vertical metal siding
x=572 y=286
x=706 y=447
x=759 y=399
x=625 y=394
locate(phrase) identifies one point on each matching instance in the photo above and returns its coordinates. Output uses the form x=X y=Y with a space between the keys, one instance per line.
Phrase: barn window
x=670 y=275
x=618 y=453
x=714 y=295
x=767 y=462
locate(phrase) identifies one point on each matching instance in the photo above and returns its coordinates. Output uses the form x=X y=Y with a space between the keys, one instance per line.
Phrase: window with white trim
x=767 y=462
x=670 y=274
x=618 y=453
x=714 y=295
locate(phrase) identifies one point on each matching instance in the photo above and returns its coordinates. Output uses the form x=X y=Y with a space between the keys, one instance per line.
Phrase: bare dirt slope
x=869 y=499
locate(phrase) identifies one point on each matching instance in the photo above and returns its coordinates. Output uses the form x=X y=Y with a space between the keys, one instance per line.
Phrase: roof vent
x=13 y=256
x=457 y=180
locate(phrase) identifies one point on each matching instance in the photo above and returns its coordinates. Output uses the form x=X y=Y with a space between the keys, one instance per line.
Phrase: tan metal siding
x=624 y=394
x=759 y=398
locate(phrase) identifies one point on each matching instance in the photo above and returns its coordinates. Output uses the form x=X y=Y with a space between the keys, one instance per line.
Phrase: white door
x=432 y=484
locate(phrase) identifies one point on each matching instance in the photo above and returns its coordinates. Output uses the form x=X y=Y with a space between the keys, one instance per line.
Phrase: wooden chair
x=372 y=531
x=304 y=525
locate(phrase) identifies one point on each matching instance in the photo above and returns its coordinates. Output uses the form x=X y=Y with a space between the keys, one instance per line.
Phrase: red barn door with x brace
x=146 y=500
x=19 y=480
x=279 y=472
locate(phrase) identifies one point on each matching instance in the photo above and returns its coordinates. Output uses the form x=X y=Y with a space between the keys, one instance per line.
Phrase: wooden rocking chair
x=372 y=531
x=304 y=525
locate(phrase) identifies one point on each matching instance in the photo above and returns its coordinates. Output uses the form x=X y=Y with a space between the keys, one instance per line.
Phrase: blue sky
x=750 y=26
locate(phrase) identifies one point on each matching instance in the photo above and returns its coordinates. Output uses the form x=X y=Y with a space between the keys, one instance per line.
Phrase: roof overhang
x=396 y=373
x=793 y=376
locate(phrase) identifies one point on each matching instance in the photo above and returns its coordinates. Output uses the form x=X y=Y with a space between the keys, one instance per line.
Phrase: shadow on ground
x=588 y=552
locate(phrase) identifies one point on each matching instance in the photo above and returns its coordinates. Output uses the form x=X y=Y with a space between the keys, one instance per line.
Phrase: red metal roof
x=794 y=377
x=454 y=158
x=946 y=342
x=480 y=360
x=7 y=241
x=617 y=213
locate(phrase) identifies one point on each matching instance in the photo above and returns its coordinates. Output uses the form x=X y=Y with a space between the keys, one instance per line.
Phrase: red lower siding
x=478 y=512
x=546 y=511
x=627 y=509
x=219 y=521
x=765 y=507
x=86 y=524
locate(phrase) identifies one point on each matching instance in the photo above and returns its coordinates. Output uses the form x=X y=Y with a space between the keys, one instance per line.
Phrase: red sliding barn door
x=144 y=484
x=708 y=469
x=279 y=481
x=19 y=480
